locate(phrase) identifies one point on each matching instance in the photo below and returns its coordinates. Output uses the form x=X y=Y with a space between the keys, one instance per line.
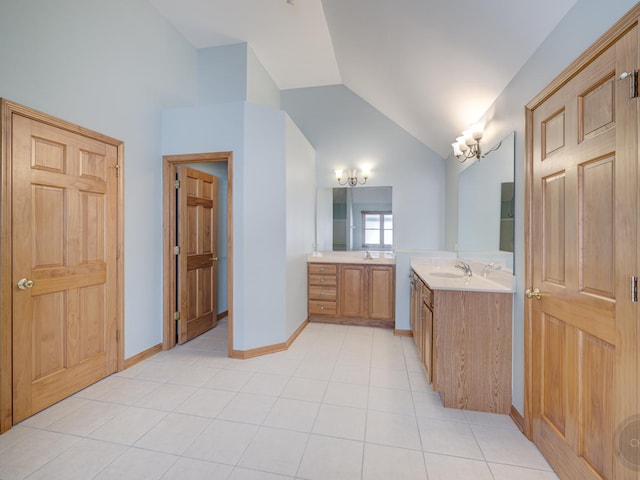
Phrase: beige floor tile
x=448 y=438
x=192 y=469
x=138 y=464
x=83 y=460
x=509 y=446
x=509 y=472
x=444 y=467
x=265 y=384
x=347 y=395
x=206 y=403
x=291 y=414
x=229 y=379
x=275 y=451
x=87 y=418
x=343 y=422
x=384 y=463
x=308 y=389
x=128 y=426
x=36 y=450
x=393 y=430
x=391 y=400
x=166 y=397
x=331 y=458
x=173 y=434
x=248 y=408
x=222 y=442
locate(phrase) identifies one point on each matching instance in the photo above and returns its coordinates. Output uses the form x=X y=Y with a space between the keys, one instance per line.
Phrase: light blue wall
x=300 y=205
x=346 y=131
x=261 y=89
x=111 y=67
x=584 y=23
x=222 y=74
x=233 y=73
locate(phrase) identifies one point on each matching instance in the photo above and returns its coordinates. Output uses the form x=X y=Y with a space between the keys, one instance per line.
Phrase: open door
x=196 y=252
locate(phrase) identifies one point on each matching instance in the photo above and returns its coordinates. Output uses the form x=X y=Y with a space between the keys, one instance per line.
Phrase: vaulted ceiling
x=432 y=66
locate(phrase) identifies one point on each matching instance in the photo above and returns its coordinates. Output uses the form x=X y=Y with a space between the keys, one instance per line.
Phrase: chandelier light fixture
x=467 y=145
x=352 y=177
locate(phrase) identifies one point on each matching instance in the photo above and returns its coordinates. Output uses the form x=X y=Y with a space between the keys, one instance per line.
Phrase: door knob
x=25 y=283
x=214 y=259
x=533 y=293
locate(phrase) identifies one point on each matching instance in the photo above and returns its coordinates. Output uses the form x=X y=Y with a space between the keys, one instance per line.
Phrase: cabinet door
x=413 y=309
x=427 y=341
x=381 y=292
x=352 y=291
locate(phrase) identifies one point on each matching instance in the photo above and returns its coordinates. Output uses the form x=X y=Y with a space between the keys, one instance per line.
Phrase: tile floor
x=342 y=403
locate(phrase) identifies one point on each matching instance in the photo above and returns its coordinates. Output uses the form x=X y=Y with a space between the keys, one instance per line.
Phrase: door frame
x=605 y=41
x=169 y=301
x=7 y=109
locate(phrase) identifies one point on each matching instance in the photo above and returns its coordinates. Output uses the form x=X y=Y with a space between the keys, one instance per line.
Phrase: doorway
x=170 y=164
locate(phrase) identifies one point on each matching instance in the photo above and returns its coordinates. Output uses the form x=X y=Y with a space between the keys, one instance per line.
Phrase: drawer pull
x=321 y=307
x=322 y=280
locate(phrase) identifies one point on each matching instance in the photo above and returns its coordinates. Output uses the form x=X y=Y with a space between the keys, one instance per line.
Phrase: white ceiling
x=432 y=66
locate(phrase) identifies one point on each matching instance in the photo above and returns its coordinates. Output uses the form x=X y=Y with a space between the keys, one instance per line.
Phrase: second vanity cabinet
x=464 y=341
x=359 y=294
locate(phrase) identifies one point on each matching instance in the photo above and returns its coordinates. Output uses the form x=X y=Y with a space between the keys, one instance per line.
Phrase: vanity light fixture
x=468 y=144
x=352 y=177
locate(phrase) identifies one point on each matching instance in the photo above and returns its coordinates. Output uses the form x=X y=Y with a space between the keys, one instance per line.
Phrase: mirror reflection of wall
x=486 y=201
x=362 y=218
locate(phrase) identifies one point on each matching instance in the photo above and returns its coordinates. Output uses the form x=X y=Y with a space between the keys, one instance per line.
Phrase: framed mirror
x=354 y=218
x=486 y=203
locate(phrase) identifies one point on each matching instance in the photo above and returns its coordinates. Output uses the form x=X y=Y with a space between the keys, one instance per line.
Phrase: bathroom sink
x=446 y=274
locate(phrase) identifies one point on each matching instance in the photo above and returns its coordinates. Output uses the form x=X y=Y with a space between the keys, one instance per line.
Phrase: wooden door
x=64 y=271
x=197 y=261
x=583 y=246
x=381 y=292
x=353 y=291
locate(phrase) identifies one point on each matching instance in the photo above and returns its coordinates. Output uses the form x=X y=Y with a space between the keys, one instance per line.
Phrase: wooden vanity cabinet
x=364 y=294
x=463 y=338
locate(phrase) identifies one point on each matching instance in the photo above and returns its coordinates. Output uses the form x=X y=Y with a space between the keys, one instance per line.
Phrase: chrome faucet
x=367 y=255
x=491 y=267
x=465 y=268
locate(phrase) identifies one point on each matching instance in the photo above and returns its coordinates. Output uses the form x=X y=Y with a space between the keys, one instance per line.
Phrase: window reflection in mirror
x=486 y=202
x=362 y=218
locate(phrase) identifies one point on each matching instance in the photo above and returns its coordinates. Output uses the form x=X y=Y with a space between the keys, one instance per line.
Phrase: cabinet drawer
x=317 y=292
x=322 y=269
x=319 y=307
x=322 y=280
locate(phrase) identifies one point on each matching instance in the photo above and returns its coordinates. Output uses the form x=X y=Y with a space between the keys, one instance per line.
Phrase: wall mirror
x=354 y=218
x=486 y=202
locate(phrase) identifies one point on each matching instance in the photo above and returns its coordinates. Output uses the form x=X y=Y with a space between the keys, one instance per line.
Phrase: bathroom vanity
x=462 y=329
x=351 y=289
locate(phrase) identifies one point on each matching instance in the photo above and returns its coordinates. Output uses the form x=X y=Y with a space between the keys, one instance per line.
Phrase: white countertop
x=440 y=274
x=377 y=258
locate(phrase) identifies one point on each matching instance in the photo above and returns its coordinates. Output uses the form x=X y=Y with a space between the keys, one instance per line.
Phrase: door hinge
x=634 y=289
x=177 y=184
x=633 y=82
x=176 y=250
x=176 y=315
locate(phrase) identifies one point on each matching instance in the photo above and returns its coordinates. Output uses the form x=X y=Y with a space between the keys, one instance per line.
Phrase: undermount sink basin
x=446 y=274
